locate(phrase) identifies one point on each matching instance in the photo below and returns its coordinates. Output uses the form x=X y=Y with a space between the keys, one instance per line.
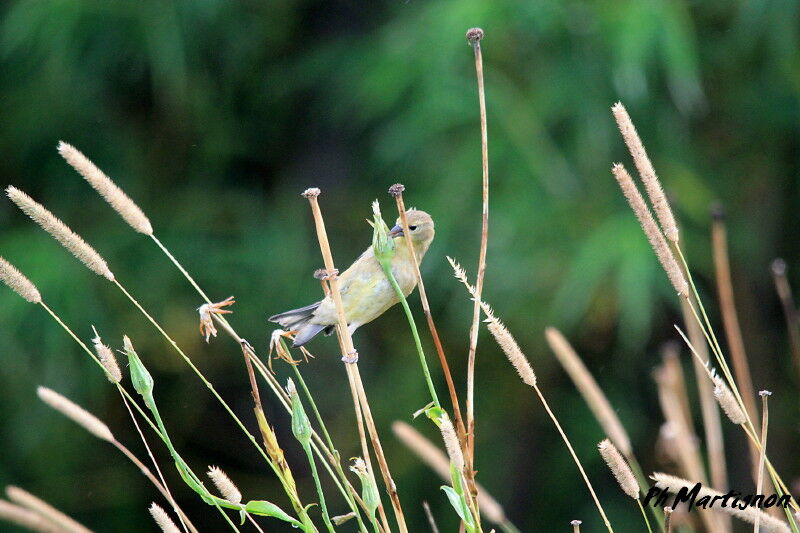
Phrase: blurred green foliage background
x=214 y=115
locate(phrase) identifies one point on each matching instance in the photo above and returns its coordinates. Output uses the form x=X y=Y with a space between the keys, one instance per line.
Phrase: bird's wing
x=362 y=266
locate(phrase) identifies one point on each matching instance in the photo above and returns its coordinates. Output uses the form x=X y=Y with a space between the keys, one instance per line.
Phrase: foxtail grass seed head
x=498 y=330
x=16 y=514
x=451 y=443
x=108 y=360
x=621 y=470
x=163 y=520
x=397 y=189
x=512 y=350
x=591 y=392
x=18 y=283
x=118 y=200
x=768 y=523
x=648 y=174
x=651 y=230
x=224 y=484
x=60 y=232
x=76 y=413
x=728 y=402
x=61 y=521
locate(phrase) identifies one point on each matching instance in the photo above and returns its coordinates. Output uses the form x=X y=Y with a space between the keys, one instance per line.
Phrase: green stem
x=334 y=452
x=508 y=527
x=325 y=516
x=658 y=514
x=387 y=269
x=644 y=515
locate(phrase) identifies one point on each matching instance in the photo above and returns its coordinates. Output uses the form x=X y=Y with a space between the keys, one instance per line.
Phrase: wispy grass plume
x=60 y=232
x=118 y=200
x=18 y=283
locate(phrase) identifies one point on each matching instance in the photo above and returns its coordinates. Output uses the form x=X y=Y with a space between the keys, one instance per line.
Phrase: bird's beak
x=396 y=231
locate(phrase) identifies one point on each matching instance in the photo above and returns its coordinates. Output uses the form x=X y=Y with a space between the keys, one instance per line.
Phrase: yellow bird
x=366 y=293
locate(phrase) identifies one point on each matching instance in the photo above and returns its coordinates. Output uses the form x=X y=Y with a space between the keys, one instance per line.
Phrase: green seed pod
x=301 y=426
x=382 y=244
x=140 y=377
x=369 y=491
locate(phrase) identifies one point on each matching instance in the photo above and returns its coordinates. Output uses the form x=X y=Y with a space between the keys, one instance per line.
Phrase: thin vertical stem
x=644 y=515
x=762 y=456
x=789 y=309
x=574 y=458
x=162 y=485
x=475 y=35
x=730 y=321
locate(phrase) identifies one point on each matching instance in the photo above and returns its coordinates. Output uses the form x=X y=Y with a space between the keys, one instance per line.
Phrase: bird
x=366 y=292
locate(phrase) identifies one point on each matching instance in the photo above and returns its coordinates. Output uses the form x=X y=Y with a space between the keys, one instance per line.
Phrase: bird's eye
x=412 y=228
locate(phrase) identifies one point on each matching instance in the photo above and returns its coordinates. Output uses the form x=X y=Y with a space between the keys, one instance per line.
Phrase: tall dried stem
x=730 y=320
x=350 y=357
x=474 y=36
x=790 y=313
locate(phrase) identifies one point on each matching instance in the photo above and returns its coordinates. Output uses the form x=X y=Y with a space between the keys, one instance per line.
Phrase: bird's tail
x=299 y=320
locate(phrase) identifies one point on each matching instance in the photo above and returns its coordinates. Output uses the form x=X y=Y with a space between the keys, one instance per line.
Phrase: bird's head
x=420 y=227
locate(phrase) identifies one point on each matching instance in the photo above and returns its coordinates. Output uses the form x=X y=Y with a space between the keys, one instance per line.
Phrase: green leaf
x=265 y=508
x=455 y=501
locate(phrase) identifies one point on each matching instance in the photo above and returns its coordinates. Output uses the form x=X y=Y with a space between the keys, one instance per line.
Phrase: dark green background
x=214 y=115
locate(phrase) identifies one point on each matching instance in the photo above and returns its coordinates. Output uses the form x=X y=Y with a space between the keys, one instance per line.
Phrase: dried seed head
x=396 y=189
x=224 y=485
x=451 y=443
x=60 y=232
x=474 y=35
x=621 y=470
x=728 y=402
x=750 y=514
x=112 y=194
x=778 y=267
x=591 y=392
x=106 y=356
x=764 y=393
x=163 y=520
x=646 y=171
x=78 y=414
x=341 y=519
x=291 y=389
x=650 y=227
x=61 y=521
x=310 y=193
x=18 y=283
